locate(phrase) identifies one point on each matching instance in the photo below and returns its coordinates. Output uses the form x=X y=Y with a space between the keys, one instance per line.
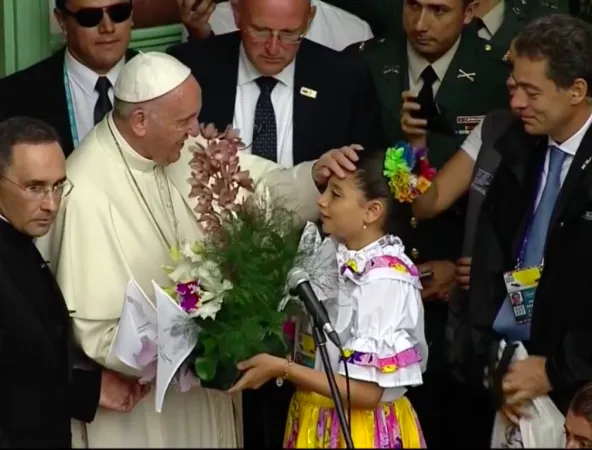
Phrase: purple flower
x=188 y=288
x=189 y=302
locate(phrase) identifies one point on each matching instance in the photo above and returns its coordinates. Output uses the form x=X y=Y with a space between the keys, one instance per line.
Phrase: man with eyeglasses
x=292 y=99
x=332 y=26
x=72 y=89
x=39 y=388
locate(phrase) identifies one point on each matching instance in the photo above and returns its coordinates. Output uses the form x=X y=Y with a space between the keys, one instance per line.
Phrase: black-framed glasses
x=285 y=37
x=39 y=192
x=92 y=17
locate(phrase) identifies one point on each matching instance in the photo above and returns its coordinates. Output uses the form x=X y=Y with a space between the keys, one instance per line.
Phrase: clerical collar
x=85 y=77
x=247 y=72
x=132 y=157
x=418 y=63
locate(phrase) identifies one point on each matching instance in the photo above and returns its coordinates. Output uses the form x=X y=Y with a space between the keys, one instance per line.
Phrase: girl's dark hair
x=375 y=186
x=581 y=404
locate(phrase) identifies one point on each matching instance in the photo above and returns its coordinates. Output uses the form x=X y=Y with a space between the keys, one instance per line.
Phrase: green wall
x=26 y=37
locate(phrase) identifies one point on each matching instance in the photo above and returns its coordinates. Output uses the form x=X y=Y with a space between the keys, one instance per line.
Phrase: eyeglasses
x=38 y=192
x=91 y=17
x=285 y=37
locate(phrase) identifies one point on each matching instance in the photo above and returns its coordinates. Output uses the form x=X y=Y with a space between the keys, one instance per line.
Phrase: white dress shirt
x=493 y=21
x=82 y=81
x=472 y=145
x=282 y=98
x=332 y=27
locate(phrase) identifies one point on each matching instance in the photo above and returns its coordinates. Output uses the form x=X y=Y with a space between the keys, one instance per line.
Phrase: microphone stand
x=321 y=341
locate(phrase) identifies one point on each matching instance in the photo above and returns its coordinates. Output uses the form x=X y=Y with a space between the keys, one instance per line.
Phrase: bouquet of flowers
x=232 y=282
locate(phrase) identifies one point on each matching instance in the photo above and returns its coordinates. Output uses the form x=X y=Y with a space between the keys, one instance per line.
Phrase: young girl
x=378 y=315
x=578 y=422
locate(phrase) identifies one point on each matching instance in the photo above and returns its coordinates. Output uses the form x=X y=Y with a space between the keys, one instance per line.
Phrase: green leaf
x=205 y=368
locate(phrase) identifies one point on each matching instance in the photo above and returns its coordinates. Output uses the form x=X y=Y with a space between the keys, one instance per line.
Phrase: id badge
x=304 y=346
x=521 y=285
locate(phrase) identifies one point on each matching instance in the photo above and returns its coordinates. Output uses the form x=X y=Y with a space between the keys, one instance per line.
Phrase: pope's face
x=26 y=197
x=174 y=121
x=98 y=32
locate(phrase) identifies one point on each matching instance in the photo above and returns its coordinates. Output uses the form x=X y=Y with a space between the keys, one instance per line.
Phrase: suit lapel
x=506 y=32
x=219 y=89
x=305 y=104
x=56 y=101
x=390 y=73
x=580 y=169
x=462 y=76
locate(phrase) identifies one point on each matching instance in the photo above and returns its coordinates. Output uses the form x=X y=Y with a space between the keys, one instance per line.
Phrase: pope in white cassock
x=129 y=206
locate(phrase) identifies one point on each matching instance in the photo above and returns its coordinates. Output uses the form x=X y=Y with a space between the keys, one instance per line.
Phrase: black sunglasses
x=91 y=17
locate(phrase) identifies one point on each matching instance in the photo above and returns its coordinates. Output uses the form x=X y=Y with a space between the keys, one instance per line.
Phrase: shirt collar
x=571 y=145
x=85 y=77
x=493 y=19
x=418 y=63
x=247 y=72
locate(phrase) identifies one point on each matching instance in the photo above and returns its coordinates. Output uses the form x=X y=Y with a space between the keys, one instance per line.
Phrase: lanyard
x=71 y=116
x=533 y=208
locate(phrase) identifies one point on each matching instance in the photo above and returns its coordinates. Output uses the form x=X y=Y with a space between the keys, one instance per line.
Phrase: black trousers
x=452 y=414
x=265 y=412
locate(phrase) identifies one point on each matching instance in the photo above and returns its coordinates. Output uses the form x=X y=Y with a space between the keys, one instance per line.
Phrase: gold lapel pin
x=308 y=92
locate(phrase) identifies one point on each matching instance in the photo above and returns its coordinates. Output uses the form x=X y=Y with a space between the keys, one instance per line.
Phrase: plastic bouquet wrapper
x=543 y=428
x=153 y=341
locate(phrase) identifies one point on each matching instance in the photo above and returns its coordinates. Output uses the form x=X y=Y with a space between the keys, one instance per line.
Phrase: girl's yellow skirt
x=313 y=423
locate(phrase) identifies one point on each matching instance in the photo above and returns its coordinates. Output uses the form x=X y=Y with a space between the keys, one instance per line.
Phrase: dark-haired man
x=39 y=388
x=538 y=210
x=72 y=89
x=450 y=82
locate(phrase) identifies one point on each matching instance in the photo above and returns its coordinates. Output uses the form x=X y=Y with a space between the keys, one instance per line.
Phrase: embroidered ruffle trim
x=388 y=364
x=385 y=261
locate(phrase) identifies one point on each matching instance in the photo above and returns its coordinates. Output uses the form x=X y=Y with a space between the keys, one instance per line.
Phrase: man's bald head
x=271 y=30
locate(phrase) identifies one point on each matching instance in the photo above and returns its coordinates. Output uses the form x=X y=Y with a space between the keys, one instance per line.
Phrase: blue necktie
x=505 y=322
x=265 y=127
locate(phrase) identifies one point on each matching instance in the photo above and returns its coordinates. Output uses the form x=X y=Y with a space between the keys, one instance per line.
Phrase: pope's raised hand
x=336 y=162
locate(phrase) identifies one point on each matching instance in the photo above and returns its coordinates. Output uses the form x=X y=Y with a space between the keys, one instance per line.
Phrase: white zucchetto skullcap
x=148 y=76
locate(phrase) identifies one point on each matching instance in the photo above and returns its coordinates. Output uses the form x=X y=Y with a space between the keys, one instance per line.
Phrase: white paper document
x=177 y=337
x=137 y=332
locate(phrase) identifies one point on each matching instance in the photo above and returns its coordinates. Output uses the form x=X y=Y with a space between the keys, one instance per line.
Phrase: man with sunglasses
x=72 y=89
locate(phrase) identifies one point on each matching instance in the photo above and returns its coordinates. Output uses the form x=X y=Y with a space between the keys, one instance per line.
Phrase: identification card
x=304 y=347
x=521 y=285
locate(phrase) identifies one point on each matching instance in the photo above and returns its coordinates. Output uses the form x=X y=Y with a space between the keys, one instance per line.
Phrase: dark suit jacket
x=345 y=110
x=39 y=92
x=560 y=328
x=40 y=391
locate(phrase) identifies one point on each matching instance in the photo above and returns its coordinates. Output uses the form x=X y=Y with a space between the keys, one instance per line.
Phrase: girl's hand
x=258 y=370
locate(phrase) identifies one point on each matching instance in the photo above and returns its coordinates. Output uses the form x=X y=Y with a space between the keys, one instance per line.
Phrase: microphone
x=299 y=283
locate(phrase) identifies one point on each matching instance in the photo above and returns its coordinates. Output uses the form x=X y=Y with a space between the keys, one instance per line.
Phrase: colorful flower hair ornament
x=408 y=171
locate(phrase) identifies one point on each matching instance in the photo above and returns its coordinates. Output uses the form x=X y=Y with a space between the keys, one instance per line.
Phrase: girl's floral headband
x=408 y=171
